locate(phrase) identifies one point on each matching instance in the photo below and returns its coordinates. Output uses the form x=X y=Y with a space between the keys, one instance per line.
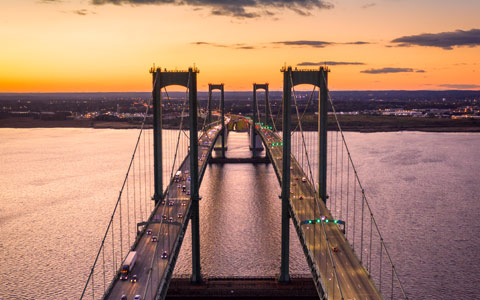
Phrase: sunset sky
x=109 y=45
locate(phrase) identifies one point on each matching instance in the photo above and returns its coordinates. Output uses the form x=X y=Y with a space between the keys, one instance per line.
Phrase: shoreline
x=14 y=123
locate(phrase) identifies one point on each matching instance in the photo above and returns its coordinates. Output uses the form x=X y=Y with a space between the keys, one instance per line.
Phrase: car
x=124 y=297
x=180 y=215
x=184 y=203
x=163 y=202
x=335 y=249
x=187 y=193
x=137 y=297
x=134 y=279
x=170 y=203
x=179 y=185
x=149 y=232
x=304 y=179
x=164 y=217
x=154 y=238
x=164 y=255
x=300 y=198
x=291 y=168
x=170 y=219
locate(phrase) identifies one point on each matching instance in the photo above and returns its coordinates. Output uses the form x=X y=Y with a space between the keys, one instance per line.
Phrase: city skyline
x=109 y=45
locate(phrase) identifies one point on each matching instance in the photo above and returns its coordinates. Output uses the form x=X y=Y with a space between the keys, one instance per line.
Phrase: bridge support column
x=284 y=267
x=157 y=136
x=212 y=87
x=224 y=130
x=196 y=269
x=322 y=135
x=268 y=113
x=209 y=104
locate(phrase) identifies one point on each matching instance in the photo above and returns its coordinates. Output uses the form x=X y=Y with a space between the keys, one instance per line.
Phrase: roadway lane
x=353 y=278
x=167 y=222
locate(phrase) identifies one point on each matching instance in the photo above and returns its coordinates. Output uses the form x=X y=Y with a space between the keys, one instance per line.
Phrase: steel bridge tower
x=257 y=119
x=220 y=87
x=292 y=78
x=188 y=79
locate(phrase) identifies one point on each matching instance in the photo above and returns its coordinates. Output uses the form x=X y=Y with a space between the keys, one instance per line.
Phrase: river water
x=58 y=188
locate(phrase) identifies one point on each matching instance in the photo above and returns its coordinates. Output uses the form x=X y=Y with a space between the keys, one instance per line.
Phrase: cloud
x=445 y=40
x=316 y=44
x=235 y=8
x=368 y=5
x=232 y=46
x=82 y=12
x=356 y=43
x=300 y=43
x=329 y=63
x=461 y=86
x=391 y=70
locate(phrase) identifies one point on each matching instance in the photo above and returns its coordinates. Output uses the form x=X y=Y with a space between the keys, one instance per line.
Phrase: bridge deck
x=170 y=234
x=354 y=280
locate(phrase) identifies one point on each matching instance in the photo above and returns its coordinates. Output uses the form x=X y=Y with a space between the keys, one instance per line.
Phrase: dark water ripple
x=58 y=185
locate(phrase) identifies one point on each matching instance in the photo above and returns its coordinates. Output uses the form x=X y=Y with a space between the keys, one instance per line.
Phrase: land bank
x=360 y=123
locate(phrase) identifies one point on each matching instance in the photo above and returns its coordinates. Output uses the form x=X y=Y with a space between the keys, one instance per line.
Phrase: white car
x=137 y=297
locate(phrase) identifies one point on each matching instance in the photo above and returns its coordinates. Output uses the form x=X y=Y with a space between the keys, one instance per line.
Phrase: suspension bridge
x=321 y=193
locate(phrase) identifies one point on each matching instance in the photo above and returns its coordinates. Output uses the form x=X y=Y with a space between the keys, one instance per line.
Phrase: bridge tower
x=257 y=119
x=187 y=79
x=220 y=87
x=292 y=78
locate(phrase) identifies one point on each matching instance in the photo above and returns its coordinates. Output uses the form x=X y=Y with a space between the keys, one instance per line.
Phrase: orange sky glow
x=97 y=46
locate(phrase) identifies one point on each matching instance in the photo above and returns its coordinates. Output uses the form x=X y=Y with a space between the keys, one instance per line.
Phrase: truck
x=178 y=176
x=128 y=265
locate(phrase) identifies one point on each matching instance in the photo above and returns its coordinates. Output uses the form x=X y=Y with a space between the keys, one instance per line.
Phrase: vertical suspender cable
x=93 y=283
x=361 y=235
x=104 y=279
x=113 y=248
x=341 y=185
x=145 y=178
x=128 y=213
x=381 y=250
x=348 y=189
x=370 y=251
x=354 y=212
x=139 y=163
x=121 y=228
x=336 y=176
x=134 y=198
